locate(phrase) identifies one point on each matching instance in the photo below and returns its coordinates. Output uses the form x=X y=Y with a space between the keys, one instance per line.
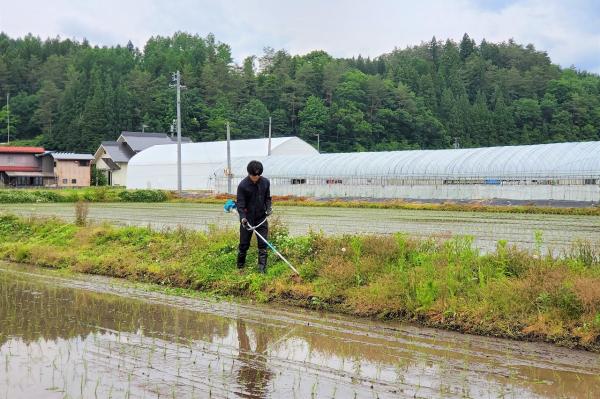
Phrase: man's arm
x=241 y=202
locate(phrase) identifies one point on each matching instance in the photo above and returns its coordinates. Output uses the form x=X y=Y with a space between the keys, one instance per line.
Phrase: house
x=20 y=167
x=69 y=169
x=112 y=157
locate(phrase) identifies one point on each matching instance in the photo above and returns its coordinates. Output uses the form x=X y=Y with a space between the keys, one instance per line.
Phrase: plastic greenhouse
x=201 y=163
x=563 y=171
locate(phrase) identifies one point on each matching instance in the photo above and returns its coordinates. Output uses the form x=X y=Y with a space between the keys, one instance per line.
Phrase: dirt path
x=558 y=231
x=86 y=336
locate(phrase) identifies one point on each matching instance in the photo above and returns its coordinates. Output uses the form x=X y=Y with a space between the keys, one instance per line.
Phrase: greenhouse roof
x=216 y=151
x=543 y=160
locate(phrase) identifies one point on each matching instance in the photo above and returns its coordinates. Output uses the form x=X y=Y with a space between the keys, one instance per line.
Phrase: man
x=254 y=205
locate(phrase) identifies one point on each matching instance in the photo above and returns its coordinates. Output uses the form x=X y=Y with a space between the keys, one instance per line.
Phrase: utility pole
x=179 y=132
x=177 y=78
x=269 y=151
x=8 y=116
x=228 y=160
x=318 y=142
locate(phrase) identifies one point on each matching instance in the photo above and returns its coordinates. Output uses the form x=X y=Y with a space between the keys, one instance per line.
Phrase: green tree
x=253 y=119
x=313 y=118
x=14 y=120
x=420 y=96
x=467 y=47
x=280 y=125
x=528 y=119
x=45 y=115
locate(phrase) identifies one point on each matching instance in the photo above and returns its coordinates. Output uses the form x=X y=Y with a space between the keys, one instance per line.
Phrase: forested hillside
x=72 y=95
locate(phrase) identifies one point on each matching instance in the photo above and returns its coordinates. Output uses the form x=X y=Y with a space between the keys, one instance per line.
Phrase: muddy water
x=81 y=336
x=558 y=231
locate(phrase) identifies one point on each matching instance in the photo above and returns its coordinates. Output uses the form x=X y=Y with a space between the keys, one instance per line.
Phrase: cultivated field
x=137 y=343
x=525 y=230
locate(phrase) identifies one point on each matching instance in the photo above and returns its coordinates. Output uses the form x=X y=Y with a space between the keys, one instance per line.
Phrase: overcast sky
x=568 y=30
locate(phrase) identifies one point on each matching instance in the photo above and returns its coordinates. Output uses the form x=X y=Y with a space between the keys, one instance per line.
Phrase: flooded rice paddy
x=65 y=336
x=558 y=231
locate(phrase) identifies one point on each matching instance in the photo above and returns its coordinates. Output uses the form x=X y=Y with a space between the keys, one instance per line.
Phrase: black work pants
x=246 y=236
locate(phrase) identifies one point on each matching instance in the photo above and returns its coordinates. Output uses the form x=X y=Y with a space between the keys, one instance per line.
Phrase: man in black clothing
x=254 y=205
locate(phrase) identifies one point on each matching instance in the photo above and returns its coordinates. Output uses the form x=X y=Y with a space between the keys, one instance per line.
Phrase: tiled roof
x=21 y=150
x=144 y=134
x=72 y=156
x=68 y=156
x=139 y=141
x=112 y=165
x=118 y=152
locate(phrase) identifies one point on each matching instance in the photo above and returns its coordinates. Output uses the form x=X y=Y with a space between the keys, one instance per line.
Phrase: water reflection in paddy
x=96 y=337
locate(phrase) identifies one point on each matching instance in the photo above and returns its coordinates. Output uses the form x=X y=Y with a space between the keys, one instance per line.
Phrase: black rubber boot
x=241 y=259
x=262 y=260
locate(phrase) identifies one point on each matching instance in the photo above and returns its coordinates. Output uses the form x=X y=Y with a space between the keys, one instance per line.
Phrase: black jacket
x=253 y=199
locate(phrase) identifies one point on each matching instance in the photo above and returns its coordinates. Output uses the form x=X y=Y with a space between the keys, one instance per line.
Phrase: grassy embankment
x=109 y=194
x=436 y=282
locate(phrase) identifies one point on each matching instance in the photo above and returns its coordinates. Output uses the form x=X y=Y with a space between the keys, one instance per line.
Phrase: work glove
x=269 y=211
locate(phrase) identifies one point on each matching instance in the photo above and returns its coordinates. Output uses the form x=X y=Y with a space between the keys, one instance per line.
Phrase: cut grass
x=443 y=282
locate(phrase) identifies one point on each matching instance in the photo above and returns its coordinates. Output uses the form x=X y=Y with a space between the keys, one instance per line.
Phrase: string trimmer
x=230 y=206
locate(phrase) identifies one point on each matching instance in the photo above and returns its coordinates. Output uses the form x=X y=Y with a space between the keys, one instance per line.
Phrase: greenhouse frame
x=562 y=171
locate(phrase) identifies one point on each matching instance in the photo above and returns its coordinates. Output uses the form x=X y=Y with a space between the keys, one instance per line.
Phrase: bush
x=24 y=196
x=12 y=226
x=143 y=196
x=92 y=194
x=567 y=302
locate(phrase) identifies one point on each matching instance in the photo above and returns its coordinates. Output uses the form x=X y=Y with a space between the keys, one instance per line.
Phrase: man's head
x=254 y=169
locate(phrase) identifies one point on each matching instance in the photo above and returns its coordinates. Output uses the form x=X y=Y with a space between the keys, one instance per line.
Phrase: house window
x=73 y=181
x=55 y=164
x=65 y=181
x=84 y=163
x=298 y=181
